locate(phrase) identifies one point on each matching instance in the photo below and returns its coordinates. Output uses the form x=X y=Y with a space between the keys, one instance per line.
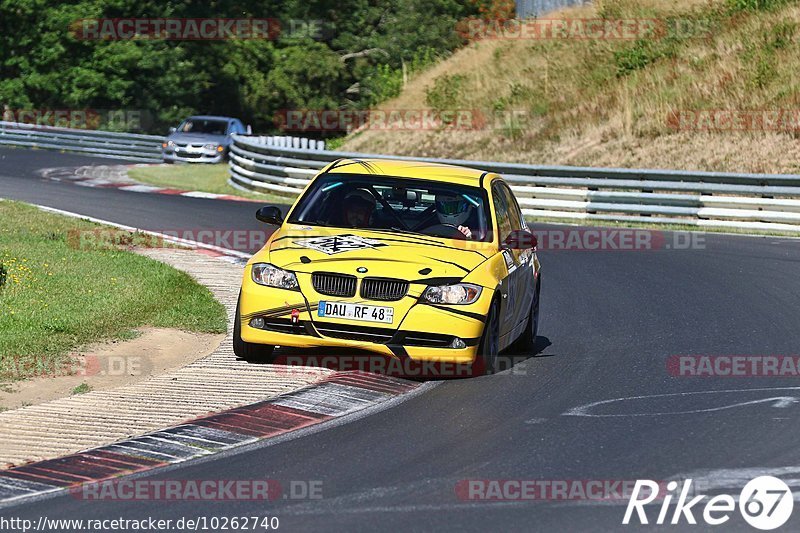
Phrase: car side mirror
x=270 y=215
x=173 y=129
x=520 y=240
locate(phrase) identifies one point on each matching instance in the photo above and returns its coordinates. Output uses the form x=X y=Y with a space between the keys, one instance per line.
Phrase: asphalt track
x=611 y=320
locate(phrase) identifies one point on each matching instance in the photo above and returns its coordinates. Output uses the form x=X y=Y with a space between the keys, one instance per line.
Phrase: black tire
x=490 y=341
x=262 y=353
x=527 y=341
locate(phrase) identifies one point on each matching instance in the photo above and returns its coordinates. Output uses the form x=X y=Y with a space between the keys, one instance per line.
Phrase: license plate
x=365 y=313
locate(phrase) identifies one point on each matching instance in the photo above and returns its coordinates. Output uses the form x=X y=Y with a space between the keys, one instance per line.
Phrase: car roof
x=209 y=117
x=409 y=169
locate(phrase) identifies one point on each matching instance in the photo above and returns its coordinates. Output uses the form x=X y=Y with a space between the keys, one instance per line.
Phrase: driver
x=454 y=210
x=358 y=207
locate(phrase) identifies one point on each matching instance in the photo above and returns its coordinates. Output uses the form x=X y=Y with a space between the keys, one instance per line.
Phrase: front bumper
x=421 y=332
x=193 y=157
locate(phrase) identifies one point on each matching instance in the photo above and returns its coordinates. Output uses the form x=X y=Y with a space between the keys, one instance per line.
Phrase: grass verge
x=56 y=296
x=196 y=177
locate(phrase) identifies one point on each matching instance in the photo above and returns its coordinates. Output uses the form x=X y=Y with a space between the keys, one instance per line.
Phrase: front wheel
x=247 y=350
x=490 y=342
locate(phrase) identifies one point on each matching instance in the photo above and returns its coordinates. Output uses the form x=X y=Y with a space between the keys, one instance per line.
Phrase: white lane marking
x=173 y=445
x=169 y=238
x=219 y=436
x=536 y=421
x=21 y=485
x=200 y=194
x=141 y=188
x=147 y=453
x=188 y=438
x=779 y=402
x=93 y=182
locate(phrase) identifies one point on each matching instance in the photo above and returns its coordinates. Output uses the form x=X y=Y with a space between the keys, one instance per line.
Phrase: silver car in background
x=201 y=139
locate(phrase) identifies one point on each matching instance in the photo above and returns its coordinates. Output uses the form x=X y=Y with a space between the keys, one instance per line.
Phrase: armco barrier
x=129 y=146
x=706 y=199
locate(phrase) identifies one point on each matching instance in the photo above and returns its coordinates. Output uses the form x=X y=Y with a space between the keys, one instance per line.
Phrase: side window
x=501 y=210
x=514 y=213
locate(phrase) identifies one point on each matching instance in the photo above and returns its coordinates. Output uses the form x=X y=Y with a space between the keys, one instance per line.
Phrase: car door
x=526 y=280
x=505 y=222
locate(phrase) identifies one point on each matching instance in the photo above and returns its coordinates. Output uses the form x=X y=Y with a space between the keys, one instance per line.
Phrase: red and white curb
x=113 y=178
x=338 y=395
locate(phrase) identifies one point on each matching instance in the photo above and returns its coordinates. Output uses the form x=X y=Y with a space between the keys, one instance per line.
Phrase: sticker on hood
x=338 y=243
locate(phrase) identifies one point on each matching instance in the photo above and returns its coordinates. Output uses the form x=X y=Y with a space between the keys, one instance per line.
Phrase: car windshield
x=396 y=204
x=198 y=125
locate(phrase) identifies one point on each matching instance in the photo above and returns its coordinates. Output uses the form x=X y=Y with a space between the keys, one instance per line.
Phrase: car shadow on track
x=511 y=357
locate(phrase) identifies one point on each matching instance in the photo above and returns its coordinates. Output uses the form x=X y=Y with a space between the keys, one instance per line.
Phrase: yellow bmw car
x=412 y=260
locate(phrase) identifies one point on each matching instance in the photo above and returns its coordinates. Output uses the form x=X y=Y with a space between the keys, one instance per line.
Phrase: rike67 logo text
x=765 y=503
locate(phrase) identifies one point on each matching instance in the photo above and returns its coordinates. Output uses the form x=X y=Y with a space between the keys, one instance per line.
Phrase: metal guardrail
x=765 y=202
x=130 y=146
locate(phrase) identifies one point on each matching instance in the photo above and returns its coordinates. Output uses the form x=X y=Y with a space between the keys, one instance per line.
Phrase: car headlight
x=459 y=294
x=272 y=276
x=169 y=145
x=211 y=147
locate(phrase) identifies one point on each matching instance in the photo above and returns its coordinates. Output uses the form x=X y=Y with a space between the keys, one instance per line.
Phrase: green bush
x=781 y=35
x=635 y=57
x=755 y=5
x=445 y=93
x=386 y=81
x=644 y=52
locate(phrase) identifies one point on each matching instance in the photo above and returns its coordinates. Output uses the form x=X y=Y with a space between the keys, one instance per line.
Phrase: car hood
x=383 y=254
